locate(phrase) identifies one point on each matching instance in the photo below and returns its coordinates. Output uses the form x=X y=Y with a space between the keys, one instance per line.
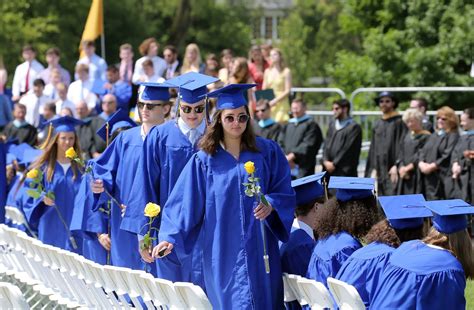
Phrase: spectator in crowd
x=300 y=139
x=212 y=69
x=192 y=60
x=422 y=105
x=49 y=113
x=343 y=142
x=126 y=63
x=97 y=66
x=239 y=74
x=52 y=58
x=278 y=78
x=81 y=89
x=121 y=90
x=387 y=136
x=92 y=144
x=5 y=111
x=257 y=65
x=266 y=127
x=26 y=73
x=266 y=49
x=109 y=106
x=405 y=172
x=66 y=111
x=50 y=88
x=149 y=73
x=62 y=101
x=35 y=102
x=19 y=128
x=227 y=57
x=462 y=159
x=435 y=157
x=170 y=54
x=3 y=77
x=149 y=51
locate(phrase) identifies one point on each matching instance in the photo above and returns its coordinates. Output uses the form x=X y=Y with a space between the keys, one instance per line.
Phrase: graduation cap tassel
x=325 y=185
x=107 y=134
x=48 y=137
x=208 y=114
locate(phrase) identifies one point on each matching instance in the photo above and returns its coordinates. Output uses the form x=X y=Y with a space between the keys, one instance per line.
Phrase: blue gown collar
x=297 y=120
x=342 y=124
x=264 y=123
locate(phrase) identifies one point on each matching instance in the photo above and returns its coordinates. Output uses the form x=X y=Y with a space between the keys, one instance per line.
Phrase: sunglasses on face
x=187 y=109
x=148 y=106
x=243 y=118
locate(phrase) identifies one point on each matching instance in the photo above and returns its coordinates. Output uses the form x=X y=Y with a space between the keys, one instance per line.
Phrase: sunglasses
x=261 y=110
x=148 y=106
x=243 y=118
x=187 y=109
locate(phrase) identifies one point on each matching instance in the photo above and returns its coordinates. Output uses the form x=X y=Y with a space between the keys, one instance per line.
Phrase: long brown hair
x=451 y=118
x=215 y=133
x=240 y=72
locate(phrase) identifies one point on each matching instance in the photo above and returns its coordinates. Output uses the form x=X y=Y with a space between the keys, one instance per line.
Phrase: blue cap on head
x=308 y=188
x=191 y=86
x=10 y=158
x=29 y=156
x=405 y=211
x=230 y=96
x=154 y=92
x=352 y=188
x=450 y=215
x=18 y=150
x=117 y=120
x=64 y=124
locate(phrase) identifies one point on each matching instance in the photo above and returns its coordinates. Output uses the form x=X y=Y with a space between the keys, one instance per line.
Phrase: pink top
x=256 y=74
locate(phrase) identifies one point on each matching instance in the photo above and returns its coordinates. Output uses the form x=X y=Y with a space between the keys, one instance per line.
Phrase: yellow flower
x=32 y=174
x=249 y=167
x=71 y=153
x=152 y=209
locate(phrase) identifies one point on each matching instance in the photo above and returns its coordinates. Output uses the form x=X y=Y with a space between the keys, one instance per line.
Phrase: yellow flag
x=94 y=24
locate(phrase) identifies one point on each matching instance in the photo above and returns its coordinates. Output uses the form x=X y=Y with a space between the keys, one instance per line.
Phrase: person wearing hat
x=166 y=151
x=340 y=223
x=116 y=168
x=208 y=203
x=431 y=273
x=61 y=176
x=404 y=221
x=387 y=135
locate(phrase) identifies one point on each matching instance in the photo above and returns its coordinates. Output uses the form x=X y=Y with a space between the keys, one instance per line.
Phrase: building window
x=269 y=27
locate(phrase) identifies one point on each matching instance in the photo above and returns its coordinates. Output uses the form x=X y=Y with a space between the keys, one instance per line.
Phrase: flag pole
x=102 y=36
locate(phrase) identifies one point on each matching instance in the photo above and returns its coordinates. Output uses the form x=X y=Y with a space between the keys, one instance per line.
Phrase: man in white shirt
x=81 y=89
x=149 y=50
x=34 y=102
x=26 y=73
x=97 y=65
x=63 y=102
x=52 y=58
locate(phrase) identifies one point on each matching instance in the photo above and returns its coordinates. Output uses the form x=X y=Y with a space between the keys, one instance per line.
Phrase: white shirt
x=50 y=91
x=302 y=225
x=79 y=90
x=159 y=64
x=185 y=129
x=97 y=67
x=34 y=107
x=61 y=104
x=170 y=70
x=65 y=166
x=142 y=132
x=19 y=79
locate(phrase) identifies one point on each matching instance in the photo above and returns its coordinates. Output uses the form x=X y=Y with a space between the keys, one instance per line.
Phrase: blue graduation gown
x=329 y=254
x=209 y=200
x=421 y=277
x=50 y=228
x=117 y=167
x=16 y=198
x=3 y=181
x=166 y=150
x=364 y=268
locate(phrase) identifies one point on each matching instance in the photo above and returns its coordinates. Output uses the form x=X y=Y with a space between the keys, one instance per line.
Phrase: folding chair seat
x=158 y=296
x=346 y=295
x=193 y=295
x=315 y=293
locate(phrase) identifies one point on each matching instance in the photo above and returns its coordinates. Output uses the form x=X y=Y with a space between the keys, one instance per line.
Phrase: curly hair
x=384 y=233
x=354 y=217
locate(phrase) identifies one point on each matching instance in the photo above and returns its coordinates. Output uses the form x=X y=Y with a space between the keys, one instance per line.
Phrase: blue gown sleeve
x=340 y=257
x=33 y=208
x=447 y=283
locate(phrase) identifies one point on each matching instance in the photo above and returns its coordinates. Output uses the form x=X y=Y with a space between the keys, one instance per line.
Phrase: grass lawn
x=469 y=293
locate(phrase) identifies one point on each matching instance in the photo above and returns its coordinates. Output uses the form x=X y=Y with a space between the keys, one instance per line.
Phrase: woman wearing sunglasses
x=208 y=203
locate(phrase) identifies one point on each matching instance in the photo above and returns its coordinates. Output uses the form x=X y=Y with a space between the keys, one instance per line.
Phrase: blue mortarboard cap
x=117 y=120
x=450 y=215
x=10 y=158
x=405 y=211
x=64 y=124
x=18 y=150
x=352 y=188
x=29 y=156
x=231 y=96
x=308 y=188
x=191 y=86
x=154 y=91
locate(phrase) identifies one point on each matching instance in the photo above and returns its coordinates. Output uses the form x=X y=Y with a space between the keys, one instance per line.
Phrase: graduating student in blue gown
x=208 y=201
x=364 y=268
x=339 y=225
x=166 y=151
x=115 y=170
x=431 y=274
x=61 y=176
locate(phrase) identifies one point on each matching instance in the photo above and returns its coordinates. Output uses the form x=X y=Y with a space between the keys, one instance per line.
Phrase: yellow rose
x=32 y=174
x=71 y=153
x=249 y=167
x=152 y=209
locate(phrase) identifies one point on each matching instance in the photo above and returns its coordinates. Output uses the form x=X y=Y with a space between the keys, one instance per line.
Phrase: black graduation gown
x=25 y=134
x=342 y=148
x=464 y=185
x=270 y=132
x=408 y=154
x=90 y=142
x=304 y=140
x=387 y=136
x=438 y=149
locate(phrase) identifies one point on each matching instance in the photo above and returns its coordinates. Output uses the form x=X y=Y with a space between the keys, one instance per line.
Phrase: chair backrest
x=12 y=297
x=158 y=296
x=193 y=295
x=288 y=294
x=346 y=295
x=15 y=215
x=175 y=301
x=315 y=293
x=293 y=284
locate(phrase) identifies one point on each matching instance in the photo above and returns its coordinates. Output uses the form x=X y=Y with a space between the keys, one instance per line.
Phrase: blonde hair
x=412 y=114
x=281 y=62
x=451 y=118
x=186 y=64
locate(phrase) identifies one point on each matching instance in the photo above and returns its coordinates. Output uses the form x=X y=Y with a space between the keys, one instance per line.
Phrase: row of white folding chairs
x=72 y=281
x=316 y=295
x=11 y=297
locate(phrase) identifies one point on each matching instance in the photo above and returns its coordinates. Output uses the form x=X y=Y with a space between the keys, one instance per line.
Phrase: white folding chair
x=293 y=284
x=315 y=293
x=346 y=295
x=157 y=294
x=288 y=294
x=137 y=284
x=12 y=297
x=193 y=295
x=117 y=283
x=175 y=300
x=120 y=274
